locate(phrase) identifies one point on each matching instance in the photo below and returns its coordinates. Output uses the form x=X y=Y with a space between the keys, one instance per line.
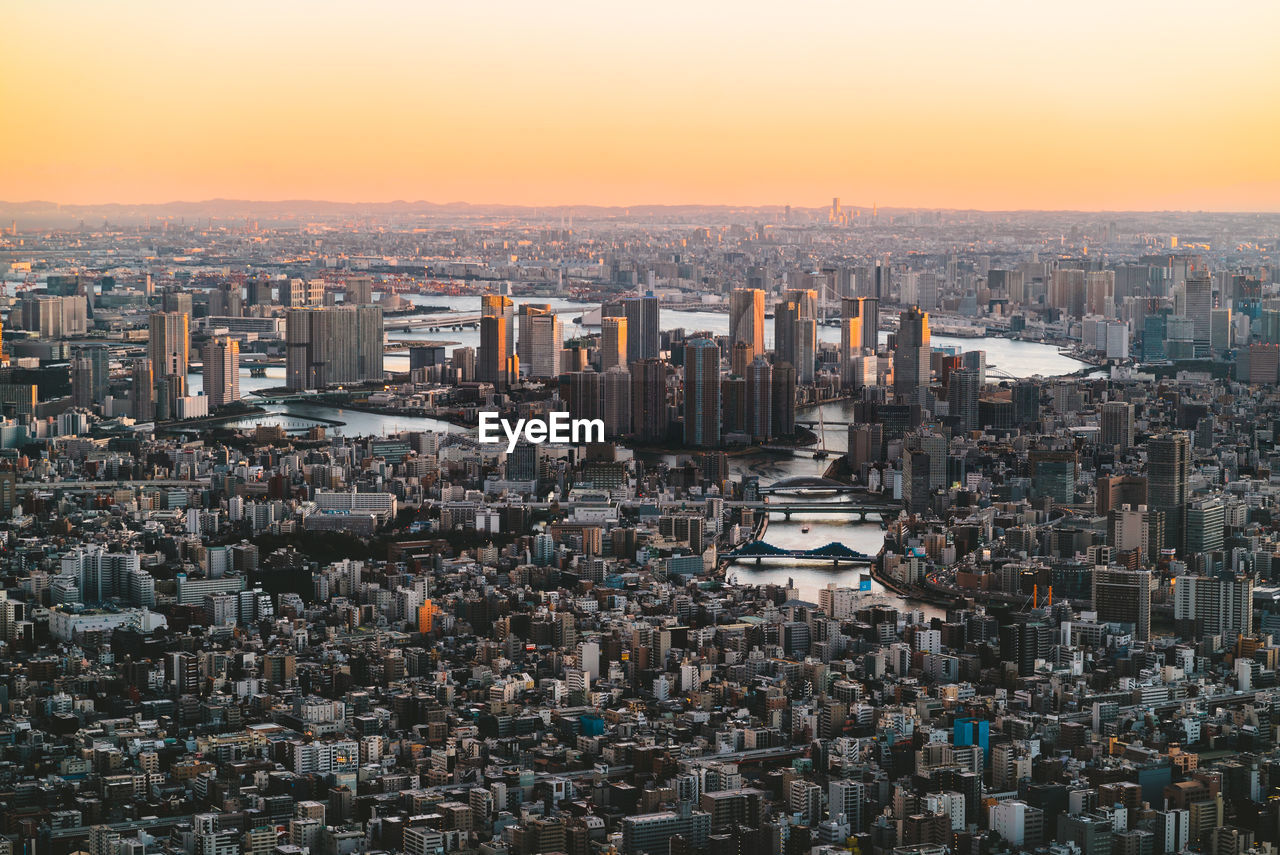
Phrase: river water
x=1016 y=358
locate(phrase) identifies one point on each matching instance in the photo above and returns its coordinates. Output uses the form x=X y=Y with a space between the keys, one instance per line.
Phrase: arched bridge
x=834 y=553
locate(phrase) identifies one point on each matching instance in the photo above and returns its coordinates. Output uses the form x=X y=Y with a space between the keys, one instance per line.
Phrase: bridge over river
x=832 y=553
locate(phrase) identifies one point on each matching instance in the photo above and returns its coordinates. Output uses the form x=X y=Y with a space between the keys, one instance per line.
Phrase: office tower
x=784 y=399
x=701 y=393
x=613 y=342
x=1220 y=339
x=1215 y=605
x=746 y=320
x=90 y=375
x=583 y=394
x=545 y=340
x=911 y=356
x=1198 y=305
x=1026 y=403
x=643 y=336
x=1053 y=475
x=916 y=472
x=1168 y=470
x=327 y=346
x=1123 y=596
x=53 y=317
x=759 y=376
x=1117 y=424
x=359 y=290
x=650 y=418
x=522 y=462
x=617 y=401
x=169 y=347
x=975 y=361
x=142 y=390
x=524 y=332
x=962 y=396
x=1206 y=521
x=222 y=371
x=927 y=291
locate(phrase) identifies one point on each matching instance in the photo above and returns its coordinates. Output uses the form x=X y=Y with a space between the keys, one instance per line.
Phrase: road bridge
x=833 y=553
x=434 y=322
x=861 y=510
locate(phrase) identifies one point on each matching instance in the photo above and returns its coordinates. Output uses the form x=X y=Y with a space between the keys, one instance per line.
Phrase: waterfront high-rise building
x=643 y=332
x=492 y=366
x=733 y=405
x=497 y=340
x=331 y=345
x=650 y=416
x=221 y=359
x=524 y=332
x=759 y=376
x=701 y=393
x=746 y=320
x=613 y=342
x=911 y=356
x=1168 y=471
x=617 y=401
x=851 y=321
x=545 y=335
x=169 y=347
x=784 y=399
x=1117 y=424
x=795 y=337
x=90 y=375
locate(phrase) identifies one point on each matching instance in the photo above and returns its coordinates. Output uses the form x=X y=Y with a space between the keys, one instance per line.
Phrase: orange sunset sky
x=1088 y=105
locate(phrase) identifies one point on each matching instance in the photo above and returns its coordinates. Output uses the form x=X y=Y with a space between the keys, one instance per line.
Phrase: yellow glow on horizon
x=931 y=104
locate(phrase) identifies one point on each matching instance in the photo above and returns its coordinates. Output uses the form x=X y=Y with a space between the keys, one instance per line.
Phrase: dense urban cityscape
x=910 y=532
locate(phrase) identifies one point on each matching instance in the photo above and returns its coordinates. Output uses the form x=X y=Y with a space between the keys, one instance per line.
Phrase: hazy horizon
x=926 y=105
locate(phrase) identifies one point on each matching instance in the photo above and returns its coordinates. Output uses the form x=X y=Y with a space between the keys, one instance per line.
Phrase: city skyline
x=1131 y=107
